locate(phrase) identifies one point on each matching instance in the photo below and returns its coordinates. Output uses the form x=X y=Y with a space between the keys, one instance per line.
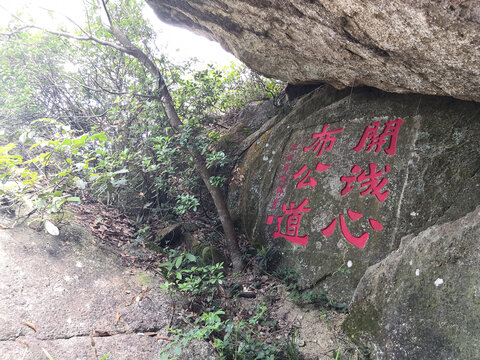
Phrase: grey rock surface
x=69 y=288
x=419 y=46
x=423 y=300
x=432 y=177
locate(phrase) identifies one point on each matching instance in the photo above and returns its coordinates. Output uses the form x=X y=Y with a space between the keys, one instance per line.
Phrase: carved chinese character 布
x=323 y=140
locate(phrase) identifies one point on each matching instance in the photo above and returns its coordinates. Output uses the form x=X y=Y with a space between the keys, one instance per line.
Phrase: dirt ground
x=79 y=296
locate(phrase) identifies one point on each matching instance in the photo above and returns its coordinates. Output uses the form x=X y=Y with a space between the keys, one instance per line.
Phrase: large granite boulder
x=342 y=177
x=423 y=300
x=420 y=46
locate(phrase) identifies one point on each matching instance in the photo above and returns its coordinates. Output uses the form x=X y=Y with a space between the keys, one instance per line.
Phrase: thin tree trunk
x=223 y=212
x=167 y=101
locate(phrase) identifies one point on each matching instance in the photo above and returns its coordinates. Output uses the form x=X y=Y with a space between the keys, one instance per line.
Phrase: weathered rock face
x=423 y=301
x=68 y=288
x=384 y=166
x=430 y=47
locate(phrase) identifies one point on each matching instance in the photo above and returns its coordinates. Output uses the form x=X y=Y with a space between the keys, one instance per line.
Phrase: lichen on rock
x=430 y=314
x=430 y=178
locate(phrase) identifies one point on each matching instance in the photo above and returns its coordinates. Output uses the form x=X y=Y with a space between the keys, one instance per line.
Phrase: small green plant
x=233 y=339
x=186 y=273
x=344 y=270
x=318 y=297
x=291 y=347
x=337 y=354
x=185 y=203
x=288 y=276
x=266 y=256
x=216 y=158
x=237 y=338
x=218 y=180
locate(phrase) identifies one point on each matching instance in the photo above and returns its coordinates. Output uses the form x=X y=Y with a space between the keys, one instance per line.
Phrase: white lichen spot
x=267 y=145
x=265 y=158
x=69 y=320
x=58 y=289
x=67 y=278
x=334 y=186
x=411 y=262
x=413 y=213
x=78 y=264
x=318 y=223
x=273 y=152
x=438 y=282
x=417 y=272
x=349 y=263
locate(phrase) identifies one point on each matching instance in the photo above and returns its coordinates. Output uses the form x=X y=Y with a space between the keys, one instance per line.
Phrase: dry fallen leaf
x=98 y=333
x=30 y=325
x=167 y=338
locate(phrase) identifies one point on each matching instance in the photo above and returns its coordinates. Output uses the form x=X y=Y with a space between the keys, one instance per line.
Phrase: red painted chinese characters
x=293 y=223
x=390 y=129
x=372 y=182
x=359 y=241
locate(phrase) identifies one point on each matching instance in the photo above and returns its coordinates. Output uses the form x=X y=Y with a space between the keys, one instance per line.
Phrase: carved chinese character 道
x=293 y=223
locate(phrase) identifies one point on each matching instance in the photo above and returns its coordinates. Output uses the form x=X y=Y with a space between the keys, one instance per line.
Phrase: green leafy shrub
x=186 y=273
x=232 y=338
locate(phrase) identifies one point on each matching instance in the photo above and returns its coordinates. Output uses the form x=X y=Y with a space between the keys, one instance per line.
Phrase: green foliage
x=218 y=180
x=318 y=297
x=266 y=257
x=232 y=338
x=288 y=276
x=49 y=172
x=185 y=273
x=186 y=202
x=216 y=158
x=142 y=233
x=90 y=89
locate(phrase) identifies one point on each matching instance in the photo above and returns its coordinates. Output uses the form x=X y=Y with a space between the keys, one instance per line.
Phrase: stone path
x=68 y=288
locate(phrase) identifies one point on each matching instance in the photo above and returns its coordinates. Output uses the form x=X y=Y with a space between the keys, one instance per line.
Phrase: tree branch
x=102 y=89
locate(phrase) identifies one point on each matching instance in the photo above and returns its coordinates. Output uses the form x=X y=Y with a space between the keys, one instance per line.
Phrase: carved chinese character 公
x=311 y=181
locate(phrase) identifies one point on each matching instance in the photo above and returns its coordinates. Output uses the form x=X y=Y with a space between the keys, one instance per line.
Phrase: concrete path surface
x=56 y=291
